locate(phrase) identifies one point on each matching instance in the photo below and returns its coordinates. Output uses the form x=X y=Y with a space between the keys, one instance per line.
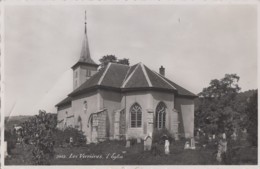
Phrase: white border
x=116 y=2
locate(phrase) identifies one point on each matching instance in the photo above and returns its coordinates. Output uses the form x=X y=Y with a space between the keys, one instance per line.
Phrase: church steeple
x=85 y=52
x=85 y=67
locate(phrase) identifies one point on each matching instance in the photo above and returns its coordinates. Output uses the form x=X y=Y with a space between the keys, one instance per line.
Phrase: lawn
x=115 y=153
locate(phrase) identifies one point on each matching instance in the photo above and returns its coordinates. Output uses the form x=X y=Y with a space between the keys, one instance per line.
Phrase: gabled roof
x=130 y=78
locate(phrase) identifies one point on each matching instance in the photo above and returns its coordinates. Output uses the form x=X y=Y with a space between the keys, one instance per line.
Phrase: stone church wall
x=168 y=100
x=145 y=101
x=185 y=107
x=111 y=102
x=79 y=109
x=62 y=115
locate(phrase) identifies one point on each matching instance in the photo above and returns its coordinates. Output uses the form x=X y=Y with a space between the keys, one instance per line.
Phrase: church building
x=121 y=101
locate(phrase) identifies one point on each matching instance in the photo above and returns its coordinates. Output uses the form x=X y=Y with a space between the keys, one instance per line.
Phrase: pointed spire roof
x=85 y=57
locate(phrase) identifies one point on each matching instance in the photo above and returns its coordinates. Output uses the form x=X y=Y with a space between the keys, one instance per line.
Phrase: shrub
x=160 y=135
x=63 y=136
x=38 y=131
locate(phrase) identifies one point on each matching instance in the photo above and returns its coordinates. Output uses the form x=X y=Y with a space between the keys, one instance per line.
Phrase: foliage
x=39 y=132
x=62 y=137
x=216 y=111
x=252 y=114
x=159 y=136
x=11 y=138
x=112 y=58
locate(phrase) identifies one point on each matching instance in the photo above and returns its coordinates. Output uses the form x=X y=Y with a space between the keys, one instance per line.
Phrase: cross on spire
x=85 y=22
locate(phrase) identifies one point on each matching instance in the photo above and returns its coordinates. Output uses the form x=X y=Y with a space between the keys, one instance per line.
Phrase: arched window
x=85 y=105
x=136 y=115
x=160 y=115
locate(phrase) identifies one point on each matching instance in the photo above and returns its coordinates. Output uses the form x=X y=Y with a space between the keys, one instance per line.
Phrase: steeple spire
x=85 y=22
x=85 y=52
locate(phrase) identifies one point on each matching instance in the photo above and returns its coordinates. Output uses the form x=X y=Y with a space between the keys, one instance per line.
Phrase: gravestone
x=192 y=143
x=147 y=143
x=186 y=145
x=127 y=144
x=224 y=136
x=167 y=147
x=222 y=148
x=71 y=140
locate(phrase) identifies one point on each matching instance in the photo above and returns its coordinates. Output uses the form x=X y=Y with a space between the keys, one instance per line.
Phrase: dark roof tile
x=137 y=80
x=115 y=75
x=156 y=80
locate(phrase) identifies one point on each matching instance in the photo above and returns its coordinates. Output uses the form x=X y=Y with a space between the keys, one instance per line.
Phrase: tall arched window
x=136 y=115
x=160 y=115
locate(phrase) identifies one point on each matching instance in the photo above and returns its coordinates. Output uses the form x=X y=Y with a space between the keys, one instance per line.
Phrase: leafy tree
x=38 y=131
x=123 y=61
x=216 y=111
x=252 y=114
x=112 y=58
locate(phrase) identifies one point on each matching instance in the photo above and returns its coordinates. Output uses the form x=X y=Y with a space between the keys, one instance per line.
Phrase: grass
x=101 y=154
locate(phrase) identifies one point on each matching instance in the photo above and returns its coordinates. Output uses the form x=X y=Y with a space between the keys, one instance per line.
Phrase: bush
x=160 y=135
x=38 y=131
x=11 y=140
x=62 y=137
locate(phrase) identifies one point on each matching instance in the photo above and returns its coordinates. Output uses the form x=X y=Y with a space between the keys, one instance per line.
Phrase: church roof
x=130 y=78
x=65 y=101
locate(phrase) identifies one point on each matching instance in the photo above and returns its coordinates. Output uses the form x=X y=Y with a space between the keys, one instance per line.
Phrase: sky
x=195 y=44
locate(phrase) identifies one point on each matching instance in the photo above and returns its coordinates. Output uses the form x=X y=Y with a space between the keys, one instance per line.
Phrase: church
x=121 y=101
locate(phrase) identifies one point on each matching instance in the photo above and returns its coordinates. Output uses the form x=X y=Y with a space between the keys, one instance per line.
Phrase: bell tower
x=85 y=67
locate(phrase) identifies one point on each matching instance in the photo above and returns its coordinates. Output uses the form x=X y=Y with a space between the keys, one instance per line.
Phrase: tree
x=123 y=61
x=112 y=58
x=38 y=131
x=252 y=114
x=215 y=112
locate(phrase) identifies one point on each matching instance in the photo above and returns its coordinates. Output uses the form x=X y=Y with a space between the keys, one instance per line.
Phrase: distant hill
x=12 y=120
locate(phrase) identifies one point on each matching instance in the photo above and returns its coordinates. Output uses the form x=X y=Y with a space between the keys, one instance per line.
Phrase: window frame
x=160 y=115
x=136 y=116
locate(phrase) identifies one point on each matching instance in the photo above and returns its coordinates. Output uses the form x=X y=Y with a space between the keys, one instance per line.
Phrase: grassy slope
x=133 y=156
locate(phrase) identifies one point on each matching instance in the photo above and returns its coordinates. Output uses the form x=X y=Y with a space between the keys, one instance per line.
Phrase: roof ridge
x=160 y=76
x=125 y=82
x=146 y=76
x=119 y=64
x=104 y=73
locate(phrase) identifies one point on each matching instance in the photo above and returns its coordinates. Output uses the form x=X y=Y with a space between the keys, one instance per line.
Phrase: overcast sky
x=195 y=44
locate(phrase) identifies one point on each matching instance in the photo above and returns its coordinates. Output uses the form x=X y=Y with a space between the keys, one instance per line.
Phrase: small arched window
x=160 y=115
x=85 y=105
x=136 y=115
